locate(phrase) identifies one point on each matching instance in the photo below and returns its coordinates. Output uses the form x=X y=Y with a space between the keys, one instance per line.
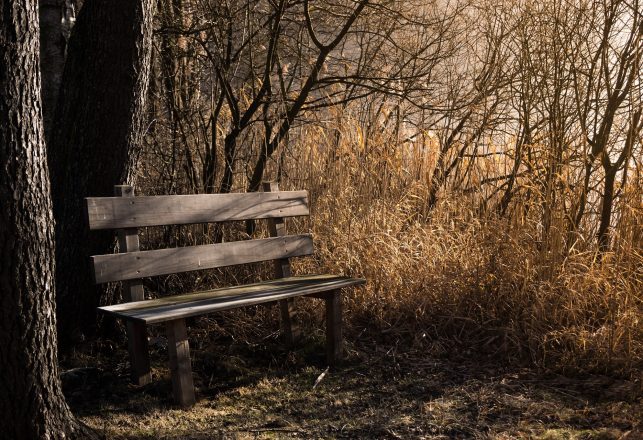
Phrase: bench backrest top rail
x=133 y=265
x=134 y=212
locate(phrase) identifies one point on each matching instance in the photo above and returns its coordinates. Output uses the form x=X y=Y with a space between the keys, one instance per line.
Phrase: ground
x=384 y=390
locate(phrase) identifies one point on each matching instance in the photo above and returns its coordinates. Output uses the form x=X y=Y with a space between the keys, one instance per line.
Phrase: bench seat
x=199 y=303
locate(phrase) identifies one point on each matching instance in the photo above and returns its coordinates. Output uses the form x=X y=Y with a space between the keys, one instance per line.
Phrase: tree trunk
x=606 y=209
x=229 y=150
x=95 y=143
x=579 y=211
x=56 y=19
x=32 y=403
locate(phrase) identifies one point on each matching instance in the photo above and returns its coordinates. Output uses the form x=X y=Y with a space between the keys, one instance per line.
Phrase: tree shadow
x=264 y=390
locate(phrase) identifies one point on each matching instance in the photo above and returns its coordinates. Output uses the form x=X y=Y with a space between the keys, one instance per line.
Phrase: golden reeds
x=462 y=276
x=457 y=274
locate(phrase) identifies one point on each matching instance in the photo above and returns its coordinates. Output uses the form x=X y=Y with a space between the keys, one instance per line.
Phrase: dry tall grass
x=456 y=276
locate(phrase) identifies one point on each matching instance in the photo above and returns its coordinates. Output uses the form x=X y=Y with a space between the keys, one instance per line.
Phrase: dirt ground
x=261 y=390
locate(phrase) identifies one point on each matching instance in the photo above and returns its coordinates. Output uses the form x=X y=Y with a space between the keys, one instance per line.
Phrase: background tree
x=96 y=138
x=607 y=82
x=530 y=108
x=56 y=21
x=259 y=70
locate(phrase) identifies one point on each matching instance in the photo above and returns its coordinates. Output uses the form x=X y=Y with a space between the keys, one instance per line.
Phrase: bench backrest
x=127 y=213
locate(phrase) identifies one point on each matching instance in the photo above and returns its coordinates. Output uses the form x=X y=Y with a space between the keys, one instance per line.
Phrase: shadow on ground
x=262 y=390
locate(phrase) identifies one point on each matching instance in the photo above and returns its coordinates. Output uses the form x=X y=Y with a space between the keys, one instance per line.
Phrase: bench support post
x=288 y=328
x=333 y=328
x=277 y=228
x=137 y=344
x=180 y=364
x=138 y=349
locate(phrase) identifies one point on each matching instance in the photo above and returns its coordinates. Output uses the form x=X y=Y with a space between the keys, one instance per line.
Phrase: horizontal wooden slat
x=199 y=303
x=133 y=212
x=132 y=265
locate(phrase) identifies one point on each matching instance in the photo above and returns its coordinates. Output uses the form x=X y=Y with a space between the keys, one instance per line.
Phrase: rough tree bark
x=32 y=403
x=95 y=141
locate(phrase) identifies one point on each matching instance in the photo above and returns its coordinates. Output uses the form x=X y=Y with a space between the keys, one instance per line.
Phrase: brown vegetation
x=460 y=274
x=493 y=179
x=457 y=275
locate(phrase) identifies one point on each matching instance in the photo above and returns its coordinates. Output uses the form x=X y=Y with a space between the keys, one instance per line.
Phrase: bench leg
x=289 y=328
x=333 y=328
x=180 y=365
x=139 y=353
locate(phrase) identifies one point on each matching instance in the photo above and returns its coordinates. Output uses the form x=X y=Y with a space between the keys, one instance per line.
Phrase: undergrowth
x=457 y=274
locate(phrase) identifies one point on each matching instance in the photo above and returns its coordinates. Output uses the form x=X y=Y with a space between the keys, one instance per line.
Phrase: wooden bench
x=126 y=213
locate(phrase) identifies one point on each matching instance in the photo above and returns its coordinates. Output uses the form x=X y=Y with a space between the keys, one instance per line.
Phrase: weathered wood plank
x=277 y=228
x=117 y=267
x=137 y=343
x=118 y=212
x=199 y=303
x=334 y=328
x=180 y=364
